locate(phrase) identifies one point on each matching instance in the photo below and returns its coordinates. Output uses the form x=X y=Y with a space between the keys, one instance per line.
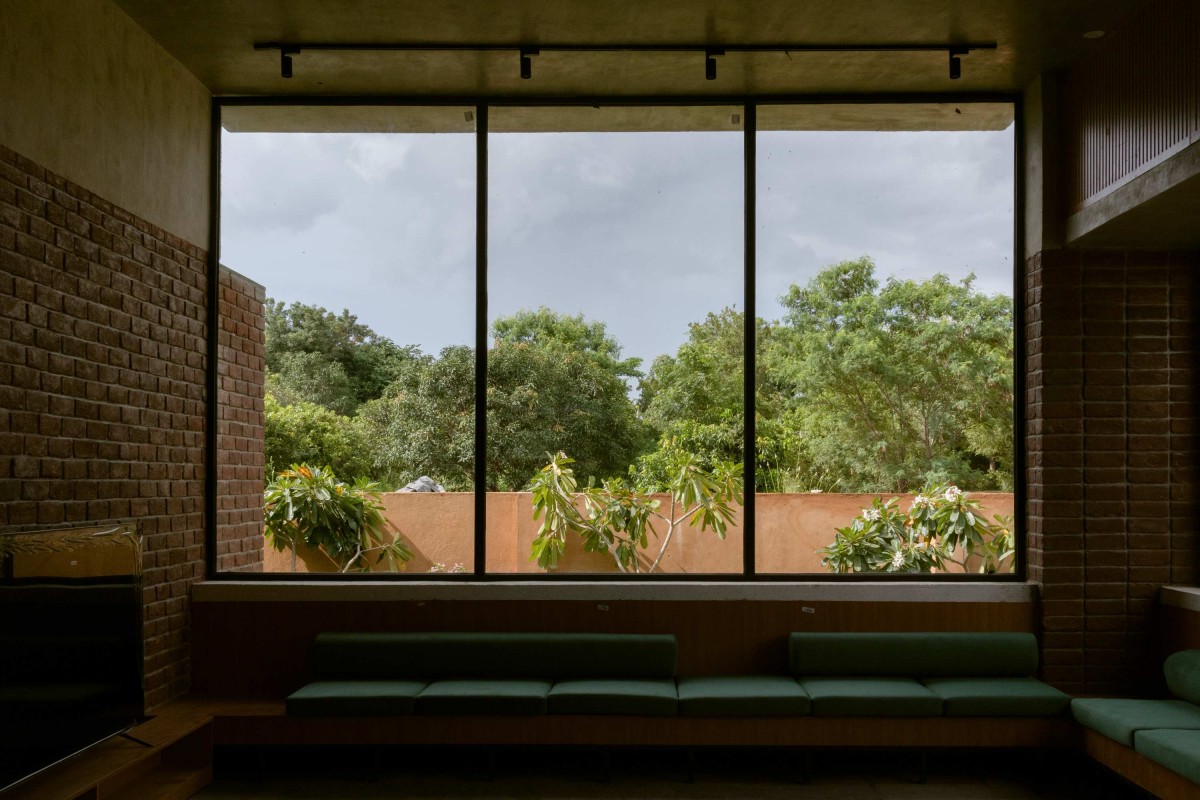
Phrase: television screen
x=70 y=643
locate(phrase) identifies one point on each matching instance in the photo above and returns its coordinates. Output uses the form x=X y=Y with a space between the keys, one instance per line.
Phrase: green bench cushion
x=1177 y=750
x=545 y=656
x=870 y=697
x=645 y=698
x=997 y=697
x=354 y=698
x=1182 y=671
x=1119 y=718
x=486 y=697
x=742 y=696
x=914 y=655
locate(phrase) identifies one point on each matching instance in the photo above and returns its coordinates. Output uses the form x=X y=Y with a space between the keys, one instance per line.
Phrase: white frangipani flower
x=872 y=514
x=953 y=493
x=897 y=560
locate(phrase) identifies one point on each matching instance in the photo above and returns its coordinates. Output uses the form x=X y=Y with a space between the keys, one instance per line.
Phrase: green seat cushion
x=1182 y=671
x=914 y=655
x=647 y=698
x=1119 y=718
x=870 y=697
x=997 y=697
x=1177 y=750
x=354 y=698
x=742 y=696
x=545 y=656
x=491 y=697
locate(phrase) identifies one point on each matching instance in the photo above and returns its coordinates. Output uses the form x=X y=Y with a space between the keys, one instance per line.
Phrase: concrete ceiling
x=215 y=40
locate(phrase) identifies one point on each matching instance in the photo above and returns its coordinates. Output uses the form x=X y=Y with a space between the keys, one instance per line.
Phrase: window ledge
x=1186 y=597
x=355 y=591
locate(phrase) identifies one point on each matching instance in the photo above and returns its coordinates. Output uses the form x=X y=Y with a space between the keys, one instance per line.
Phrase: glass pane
x=615 y=293
x=885 y=395
x=347 y=327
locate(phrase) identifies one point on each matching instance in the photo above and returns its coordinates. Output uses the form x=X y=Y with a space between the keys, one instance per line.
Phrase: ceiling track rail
x=525 y=52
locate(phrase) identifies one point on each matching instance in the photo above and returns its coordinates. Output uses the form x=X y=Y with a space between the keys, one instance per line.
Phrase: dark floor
x=434 y=774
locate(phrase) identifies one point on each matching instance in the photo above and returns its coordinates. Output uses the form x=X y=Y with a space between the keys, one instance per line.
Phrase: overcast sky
x=640 y=230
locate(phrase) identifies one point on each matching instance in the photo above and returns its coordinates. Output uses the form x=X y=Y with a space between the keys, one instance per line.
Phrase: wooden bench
x=1153 y=743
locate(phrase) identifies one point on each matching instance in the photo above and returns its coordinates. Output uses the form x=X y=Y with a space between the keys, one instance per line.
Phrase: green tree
x=695 y=400
x=316 y=356
x=307 y=433
x=551 y=330
x=899 y=385
x=425 y=422
x=555 y=382
x=544 y=399
x=702 y=382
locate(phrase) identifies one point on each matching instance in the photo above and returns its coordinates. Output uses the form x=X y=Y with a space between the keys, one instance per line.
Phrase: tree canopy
x=900 y=385
x=307 y=433
x=333 y=360
x=861 y=386
x=555 y=382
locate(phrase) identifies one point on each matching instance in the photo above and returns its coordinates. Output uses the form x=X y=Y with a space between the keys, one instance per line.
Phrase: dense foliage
x=898 y=386
x=307 y=433
x=310 y=506
x=332 y=360
x=861 y=386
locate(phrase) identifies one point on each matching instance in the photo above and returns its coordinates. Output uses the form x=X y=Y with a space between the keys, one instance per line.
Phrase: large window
x=348 y=291
x=513 y=340
x=885 y=280
x=615 y=278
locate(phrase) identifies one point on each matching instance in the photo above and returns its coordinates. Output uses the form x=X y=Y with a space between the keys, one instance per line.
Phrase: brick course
x=102 y=390
x=1111 y=449
x=241 y=377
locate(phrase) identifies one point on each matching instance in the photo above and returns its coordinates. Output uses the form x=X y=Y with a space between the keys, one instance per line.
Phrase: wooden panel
x=1154 y=778
x=1133 y=102
x=260 y=649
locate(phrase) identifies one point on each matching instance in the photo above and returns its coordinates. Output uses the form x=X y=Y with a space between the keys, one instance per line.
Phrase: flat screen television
x=70 y=643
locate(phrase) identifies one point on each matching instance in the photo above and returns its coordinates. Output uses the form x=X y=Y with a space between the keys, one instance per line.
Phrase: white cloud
x=643 y=231
x=375 y=157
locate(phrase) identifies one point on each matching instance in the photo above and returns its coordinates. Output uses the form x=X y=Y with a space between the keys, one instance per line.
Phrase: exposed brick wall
x=241 y=368
x=1111 y=455
x=102 y=358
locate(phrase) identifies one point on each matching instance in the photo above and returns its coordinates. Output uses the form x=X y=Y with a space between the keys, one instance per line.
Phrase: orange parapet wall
x=439 y=528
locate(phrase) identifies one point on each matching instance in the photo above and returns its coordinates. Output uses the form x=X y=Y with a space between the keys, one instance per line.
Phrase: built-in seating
x=525 y=674
x=1166 y=731
x=518 y=674
x=922 y=675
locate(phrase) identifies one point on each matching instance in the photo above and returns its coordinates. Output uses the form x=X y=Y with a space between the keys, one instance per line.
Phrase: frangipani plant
x=309 y=505
x=620 y=519
x=942 y=526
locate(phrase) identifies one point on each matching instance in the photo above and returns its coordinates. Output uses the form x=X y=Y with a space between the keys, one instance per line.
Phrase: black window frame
x=481 y=106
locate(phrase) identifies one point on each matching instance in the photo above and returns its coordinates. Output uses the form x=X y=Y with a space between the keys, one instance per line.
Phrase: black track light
x=285 y=60
x=527 y=62
x=710 y=63
x=956 y=63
